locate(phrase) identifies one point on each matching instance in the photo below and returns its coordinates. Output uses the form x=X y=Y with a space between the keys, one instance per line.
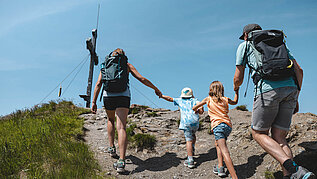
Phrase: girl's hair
x=216 y=90
x=119 y=51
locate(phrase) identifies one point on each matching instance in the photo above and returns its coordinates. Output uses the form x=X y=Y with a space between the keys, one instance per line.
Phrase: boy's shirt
x=189 y=119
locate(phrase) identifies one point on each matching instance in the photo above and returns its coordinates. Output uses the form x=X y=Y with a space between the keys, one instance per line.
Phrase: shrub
x=144 y=141
x=242 y=108
x=151 y=114
x=269 y=175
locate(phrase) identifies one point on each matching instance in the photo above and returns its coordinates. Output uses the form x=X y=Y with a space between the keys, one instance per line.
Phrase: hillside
x=166 y=160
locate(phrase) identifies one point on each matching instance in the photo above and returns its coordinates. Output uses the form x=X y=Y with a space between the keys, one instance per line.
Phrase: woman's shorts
x=222 y=131
x=114 y=102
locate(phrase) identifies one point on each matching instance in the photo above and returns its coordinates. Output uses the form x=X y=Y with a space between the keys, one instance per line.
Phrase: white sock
x=190 y=158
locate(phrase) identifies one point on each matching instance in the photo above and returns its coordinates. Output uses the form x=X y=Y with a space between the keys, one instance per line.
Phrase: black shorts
x=114 y=102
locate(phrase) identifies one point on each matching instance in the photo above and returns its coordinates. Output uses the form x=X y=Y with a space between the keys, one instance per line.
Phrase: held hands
x=158 y=93
x=94 y=108
x=236 y=89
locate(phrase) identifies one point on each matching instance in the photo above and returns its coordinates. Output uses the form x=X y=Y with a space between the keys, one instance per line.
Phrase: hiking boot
x=303 y=173
x=189 y=163
x=119 y=166
x=112 y=151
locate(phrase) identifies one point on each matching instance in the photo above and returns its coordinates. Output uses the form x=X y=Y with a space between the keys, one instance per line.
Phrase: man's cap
x=187 y=93
x=248 y=28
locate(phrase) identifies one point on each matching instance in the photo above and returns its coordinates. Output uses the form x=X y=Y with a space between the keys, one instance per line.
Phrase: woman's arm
x=200 y=104
x=167 y=98
x=236 y=98
x=143 y=80
x=96 y=93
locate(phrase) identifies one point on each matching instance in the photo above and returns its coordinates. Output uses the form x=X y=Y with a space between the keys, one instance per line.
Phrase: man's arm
x=238 y=77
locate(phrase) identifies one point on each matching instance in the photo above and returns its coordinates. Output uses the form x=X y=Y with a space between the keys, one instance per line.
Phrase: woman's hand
x=94 y=108
x=158 y=93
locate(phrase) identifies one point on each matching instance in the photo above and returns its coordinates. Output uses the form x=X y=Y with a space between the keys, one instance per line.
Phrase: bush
x=242 y=108
x=151 y=114
x=269 y=175
x=144 y=141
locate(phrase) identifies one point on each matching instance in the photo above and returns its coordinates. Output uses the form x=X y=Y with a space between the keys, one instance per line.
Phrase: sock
x=290 y=166
x=190 y=158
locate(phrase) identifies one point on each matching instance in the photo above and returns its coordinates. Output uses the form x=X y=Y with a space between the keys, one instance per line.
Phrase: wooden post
x=91 y=46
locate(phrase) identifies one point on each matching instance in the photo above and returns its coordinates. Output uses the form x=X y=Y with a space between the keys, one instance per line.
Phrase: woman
x=118 y=104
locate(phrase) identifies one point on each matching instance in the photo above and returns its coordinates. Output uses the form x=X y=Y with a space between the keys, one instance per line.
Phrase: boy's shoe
x=119 y=166
x=112 y=151
x=189 y=163
x=303 y=173
x=219 y=171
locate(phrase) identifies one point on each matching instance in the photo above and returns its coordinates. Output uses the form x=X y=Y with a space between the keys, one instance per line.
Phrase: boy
x=189 y=122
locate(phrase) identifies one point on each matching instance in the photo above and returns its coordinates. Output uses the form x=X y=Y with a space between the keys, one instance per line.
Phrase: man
x=273 y=107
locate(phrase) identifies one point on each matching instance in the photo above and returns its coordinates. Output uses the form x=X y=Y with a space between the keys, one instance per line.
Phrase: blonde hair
x=216 y=90
x=119 y=51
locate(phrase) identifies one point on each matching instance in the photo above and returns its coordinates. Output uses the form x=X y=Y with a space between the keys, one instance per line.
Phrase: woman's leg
x=226 y=156
x=122 y=114
x=110 y=126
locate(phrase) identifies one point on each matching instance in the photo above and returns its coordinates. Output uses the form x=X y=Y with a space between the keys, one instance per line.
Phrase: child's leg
x=226 y=156
x=189 y=147
x=189 y=143
x=219 y=155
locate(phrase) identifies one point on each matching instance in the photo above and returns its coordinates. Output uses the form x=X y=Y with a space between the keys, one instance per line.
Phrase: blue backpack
x=114 y=71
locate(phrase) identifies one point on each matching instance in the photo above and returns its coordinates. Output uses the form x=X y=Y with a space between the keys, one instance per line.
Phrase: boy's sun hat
x=186 y=93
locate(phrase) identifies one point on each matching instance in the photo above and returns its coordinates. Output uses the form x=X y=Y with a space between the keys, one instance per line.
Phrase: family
x=275 y=101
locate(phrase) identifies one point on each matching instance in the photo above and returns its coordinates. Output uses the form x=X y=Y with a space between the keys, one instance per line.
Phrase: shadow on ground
x=161 y=163
x=248 y=169
x=205 y=157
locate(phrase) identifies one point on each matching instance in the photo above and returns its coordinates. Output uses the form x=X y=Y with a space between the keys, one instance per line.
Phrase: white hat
x=187 y=93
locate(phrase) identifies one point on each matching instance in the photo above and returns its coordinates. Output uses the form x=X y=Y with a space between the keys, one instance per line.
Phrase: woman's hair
x=216 y=90
x=119 y=51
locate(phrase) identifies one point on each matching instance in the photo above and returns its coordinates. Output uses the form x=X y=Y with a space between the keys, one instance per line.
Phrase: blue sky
x=174 y=43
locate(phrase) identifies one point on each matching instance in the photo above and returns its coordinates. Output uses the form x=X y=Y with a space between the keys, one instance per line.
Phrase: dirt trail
x=166 y=160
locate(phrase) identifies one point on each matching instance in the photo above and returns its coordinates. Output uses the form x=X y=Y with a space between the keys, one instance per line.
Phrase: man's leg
x=122 y=114
x=110 y=126
x=270 y=145
x=279 y=136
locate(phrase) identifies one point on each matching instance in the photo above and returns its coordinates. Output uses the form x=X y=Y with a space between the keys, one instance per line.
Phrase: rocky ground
x=166 y=160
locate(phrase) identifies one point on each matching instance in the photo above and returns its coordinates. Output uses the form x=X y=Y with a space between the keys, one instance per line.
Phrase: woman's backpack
x=114 y=71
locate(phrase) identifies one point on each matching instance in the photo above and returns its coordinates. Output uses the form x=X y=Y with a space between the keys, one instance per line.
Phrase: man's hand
x=296 y=108
x=94 y=108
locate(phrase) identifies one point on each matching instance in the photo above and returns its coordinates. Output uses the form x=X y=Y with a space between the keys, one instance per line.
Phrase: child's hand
x=237 y=89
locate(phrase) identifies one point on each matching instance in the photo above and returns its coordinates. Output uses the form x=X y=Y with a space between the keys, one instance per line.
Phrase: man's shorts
x=274 y=109
x=114 y=102
x=189 y=134
x=222 y=131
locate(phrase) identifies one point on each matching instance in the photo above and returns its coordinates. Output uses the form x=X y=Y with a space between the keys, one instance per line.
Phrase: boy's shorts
x=222 y=131
x=274 y=109
x=189 y=134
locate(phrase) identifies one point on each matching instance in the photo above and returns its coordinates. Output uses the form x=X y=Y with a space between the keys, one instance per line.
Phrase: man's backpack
x=271 y=55
x=114 y=71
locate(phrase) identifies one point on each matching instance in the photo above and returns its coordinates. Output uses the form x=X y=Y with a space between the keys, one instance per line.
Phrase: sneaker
x=119 y=166
x=189 y=163
x=215 y=170
x=302 y=173
x=112 y=151
x=221 y=171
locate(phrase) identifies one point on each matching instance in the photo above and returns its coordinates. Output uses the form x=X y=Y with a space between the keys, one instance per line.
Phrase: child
x=189 y=122
x=220 y=124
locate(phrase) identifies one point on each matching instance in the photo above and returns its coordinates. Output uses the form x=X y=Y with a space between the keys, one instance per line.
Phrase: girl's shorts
x=222 y=131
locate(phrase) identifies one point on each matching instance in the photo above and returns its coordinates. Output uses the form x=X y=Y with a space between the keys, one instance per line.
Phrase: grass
x=137 y=109
x=44 y=142
x=144 y=141
x=151 y=114
x=269 y=175
x=242 y=108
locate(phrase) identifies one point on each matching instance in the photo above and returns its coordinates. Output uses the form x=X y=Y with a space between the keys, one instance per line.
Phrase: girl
x=220 y=124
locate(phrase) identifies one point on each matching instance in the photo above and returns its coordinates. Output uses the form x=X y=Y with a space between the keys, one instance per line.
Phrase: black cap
x=248 y=28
